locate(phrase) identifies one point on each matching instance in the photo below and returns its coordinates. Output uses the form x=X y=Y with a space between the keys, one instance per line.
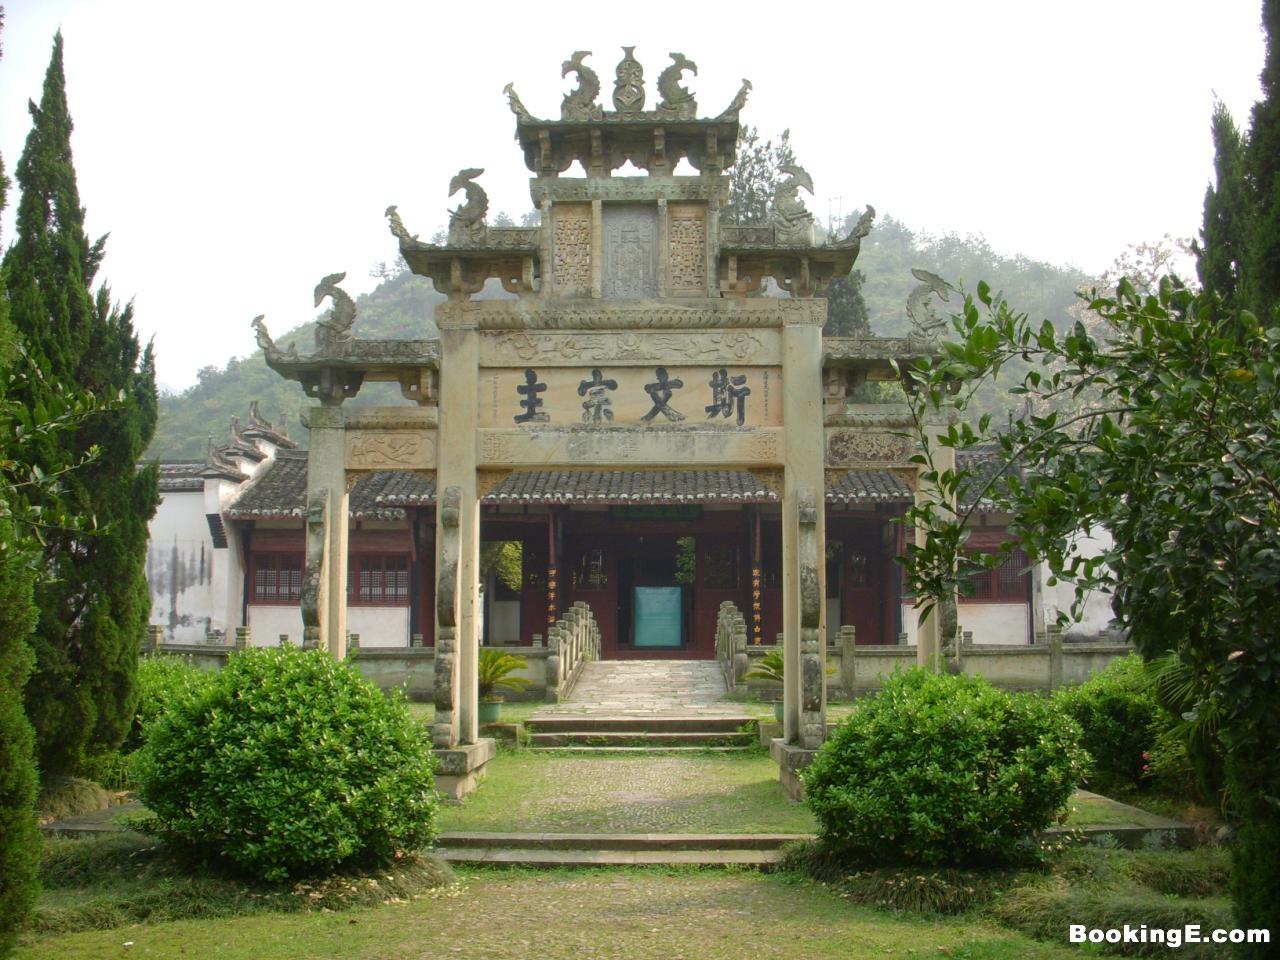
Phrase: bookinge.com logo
x=1172 y=937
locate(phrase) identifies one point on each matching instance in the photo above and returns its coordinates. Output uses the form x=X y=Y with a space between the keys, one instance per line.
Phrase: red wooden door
x=862 y=574
x=718 y=578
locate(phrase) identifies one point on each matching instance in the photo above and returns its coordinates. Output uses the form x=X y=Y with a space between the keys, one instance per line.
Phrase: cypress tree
x=1220 y=253
x=1262 y=163
x=19 y=839
x=93 y=613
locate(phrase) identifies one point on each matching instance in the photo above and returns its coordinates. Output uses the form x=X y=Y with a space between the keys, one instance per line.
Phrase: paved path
x=646 y=688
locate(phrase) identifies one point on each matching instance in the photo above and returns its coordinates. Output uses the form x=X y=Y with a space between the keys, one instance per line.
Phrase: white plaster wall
x=1004 y=623
x=268 y=621
x=184 y=569
x=504 y=629
x=379 y=626
x=1059 y=597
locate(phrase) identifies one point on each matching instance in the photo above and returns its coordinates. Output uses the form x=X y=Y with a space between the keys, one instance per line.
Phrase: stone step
x=597 y=737
x=656 y=723
x=516 y=856
x=468 y=839
x=597 y=751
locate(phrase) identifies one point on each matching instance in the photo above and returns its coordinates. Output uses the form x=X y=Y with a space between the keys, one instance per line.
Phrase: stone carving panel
x=546 y=314
x=687 y=233
x=571 y=251
x=390 y=450
x=630 y=252
x=623 y=447
x=846 y=448
x=756 y=347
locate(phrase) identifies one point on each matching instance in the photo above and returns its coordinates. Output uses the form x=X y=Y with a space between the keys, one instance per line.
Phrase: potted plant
x=769 y=667
x=494 y=672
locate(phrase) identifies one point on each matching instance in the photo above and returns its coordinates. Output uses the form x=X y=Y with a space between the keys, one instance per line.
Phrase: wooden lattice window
x=1007 y=583
x=276 y=578
x=377 y=579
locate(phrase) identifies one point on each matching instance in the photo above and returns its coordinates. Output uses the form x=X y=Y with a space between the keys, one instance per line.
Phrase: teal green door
x=657 y=617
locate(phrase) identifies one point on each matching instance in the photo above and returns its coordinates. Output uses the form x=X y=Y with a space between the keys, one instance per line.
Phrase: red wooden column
x=555 y=543
x=757 y=580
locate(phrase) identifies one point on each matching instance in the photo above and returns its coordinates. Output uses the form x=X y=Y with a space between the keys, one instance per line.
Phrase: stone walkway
x=647 y=688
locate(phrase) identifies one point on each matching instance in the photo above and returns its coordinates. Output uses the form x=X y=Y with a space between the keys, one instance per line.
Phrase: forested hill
x=403 y=306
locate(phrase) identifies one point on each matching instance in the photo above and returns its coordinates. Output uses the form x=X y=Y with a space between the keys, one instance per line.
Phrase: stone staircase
x=615 y=849
x=636 y=705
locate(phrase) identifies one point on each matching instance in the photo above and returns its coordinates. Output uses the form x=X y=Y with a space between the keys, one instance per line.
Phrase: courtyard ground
x=516 y=914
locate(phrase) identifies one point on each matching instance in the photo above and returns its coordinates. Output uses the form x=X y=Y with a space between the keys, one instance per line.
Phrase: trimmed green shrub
x=161 y=679
x=289 y=763
x=1118 y=712
x=940 y=769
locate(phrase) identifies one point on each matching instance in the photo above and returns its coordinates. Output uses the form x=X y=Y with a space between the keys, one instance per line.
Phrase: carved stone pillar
x=934 y=635
x=327 y=528
x=456 y=475
x=803 y=529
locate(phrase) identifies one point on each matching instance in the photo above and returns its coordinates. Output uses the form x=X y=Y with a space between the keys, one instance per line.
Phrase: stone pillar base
x=462 y=767
x=791 y=760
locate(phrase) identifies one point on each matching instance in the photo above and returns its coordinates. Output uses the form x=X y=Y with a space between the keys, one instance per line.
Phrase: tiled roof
x=181 y=475
x=280 y=492
x=869 y=486
x=631 y=486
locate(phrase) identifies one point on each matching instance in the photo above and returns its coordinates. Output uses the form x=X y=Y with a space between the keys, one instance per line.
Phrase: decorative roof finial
x=335 y=331
x=926 y=325
x=513 y=101
x=580 y=103
x=628 y=90
x=466 y=224
x=792 y=223
x=739 y=101
x=677 y=102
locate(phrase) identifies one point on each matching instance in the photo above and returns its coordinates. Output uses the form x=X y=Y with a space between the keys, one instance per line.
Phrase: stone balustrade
x=571 y=641
x=731 y=647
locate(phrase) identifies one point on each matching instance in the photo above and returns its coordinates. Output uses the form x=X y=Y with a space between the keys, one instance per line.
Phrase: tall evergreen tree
x=1240 y=261
x=1221 y=251
x=19 y=839
x=94 y=611
x=846 y=310
x=1262 y=164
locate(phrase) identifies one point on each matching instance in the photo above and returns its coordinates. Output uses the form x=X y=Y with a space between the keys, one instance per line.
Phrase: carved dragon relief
x=926 y=325
x=313 y=573
x=580 y=103
x=443 y=732
x=677 y=102
x=466 y=224
x=812 y=676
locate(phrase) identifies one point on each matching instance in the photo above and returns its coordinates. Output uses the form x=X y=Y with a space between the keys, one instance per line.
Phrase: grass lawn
x=496 y=915
x=556 y=792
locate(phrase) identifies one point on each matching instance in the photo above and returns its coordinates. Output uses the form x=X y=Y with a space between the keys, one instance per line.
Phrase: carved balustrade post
x=848 y=638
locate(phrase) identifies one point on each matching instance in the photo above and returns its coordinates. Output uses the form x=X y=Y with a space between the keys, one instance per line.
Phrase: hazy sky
x=239 y=151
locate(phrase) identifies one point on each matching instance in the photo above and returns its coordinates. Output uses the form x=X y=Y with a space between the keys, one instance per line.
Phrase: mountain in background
x=403 y=306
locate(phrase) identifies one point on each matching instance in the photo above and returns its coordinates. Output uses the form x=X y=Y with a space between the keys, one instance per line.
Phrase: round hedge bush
x=1120 y=716
x=288 y=763
x=940 y=769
